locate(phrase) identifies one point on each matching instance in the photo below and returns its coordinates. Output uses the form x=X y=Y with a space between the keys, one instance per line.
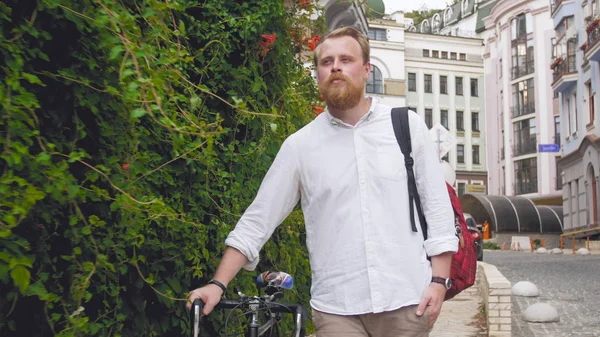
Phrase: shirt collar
x=370 y=114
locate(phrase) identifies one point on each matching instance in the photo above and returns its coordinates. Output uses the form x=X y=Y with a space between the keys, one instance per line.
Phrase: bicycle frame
x=255 y=305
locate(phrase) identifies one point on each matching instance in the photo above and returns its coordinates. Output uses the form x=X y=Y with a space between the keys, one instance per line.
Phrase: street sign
x=549 y=148
x=476 y=189
x=443 y=139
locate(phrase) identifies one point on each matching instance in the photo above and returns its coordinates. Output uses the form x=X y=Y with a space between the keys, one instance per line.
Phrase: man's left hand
x=433 y=298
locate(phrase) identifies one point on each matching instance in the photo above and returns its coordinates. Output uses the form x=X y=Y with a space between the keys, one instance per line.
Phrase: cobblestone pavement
x=570 y=283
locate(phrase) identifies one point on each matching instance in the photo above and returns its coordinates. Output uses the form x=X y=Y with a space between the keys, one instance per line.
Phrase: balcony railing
x=562 y=67
x=523 y=69
x=593 y=32
x=517 y=111
x=524 y=148
x=526 y=187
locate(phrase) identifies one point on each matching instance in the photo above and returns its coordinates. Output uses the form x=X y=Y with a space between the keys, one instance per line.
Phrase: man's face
x=341 y=72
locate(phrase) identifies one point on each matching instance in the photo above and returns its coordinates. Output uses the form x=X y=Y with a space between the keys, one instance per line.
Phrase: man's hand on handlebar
x=209 y=294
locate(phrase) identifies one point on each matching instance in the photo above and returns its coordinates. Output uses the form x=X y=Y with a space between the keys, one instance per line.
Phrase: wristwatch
x=446 y=282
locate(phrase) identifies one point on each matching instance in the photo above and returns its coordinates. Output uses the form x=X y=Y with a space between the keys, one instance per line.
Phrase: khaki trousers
x=403 y=322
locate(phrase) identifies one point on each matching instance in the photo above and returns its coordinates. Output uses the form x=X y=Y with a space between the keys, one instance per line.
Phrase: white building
x=439 y=77
x=576 y=76
x=520 y=101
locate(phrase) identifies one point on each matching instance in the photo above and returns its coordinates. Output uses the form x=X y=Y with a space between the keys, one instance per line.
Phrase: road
x=570 y=283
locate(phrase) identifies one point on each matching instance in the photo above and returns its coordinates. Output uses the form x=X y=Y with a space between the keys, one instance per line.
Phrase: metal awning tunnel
x=513 y=214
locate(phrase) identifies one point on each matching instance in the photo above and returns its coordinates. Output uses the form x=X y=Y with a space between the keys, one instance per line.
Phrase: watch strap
x=437 y=279
x=218 y=284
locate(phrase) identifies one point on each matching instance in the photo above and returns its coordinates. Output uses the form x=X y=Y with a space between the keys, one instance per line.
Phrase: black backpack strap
x=402 y=132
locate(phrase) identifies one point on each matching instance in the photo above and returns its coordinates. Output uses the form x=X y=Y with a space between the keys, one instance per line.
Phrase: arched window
x=425 y=28
x=436 y=23
x=447 y=15
x=375 y=81
x=465 y=6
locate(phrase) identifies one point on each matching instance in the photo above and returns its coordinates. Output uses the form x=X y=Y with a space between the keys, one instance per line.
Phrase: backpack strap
x=402 y=132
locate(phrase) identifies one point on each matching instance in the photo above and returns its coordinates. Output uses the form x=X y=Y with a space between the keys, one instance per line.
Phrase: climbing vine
x=133 y=134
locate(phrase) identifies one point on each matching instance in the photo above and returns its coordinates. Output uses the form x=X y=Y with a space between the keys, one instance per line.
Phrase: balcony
x=525 y=187
x=527 y=147
x=592 y=46
x=526 y=109
x=523 y=69
x=565 y=73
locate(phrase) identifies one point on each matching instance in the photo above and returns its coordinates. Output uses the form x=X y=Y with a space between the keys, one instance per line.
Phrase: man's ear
x=367 y=69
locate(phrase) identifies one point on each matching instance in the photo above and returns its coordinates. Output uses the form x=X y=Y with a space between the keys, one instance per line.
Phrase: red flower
x=125 y=166
x=268 y=39
x=312 y=42
x=317 y=109
x=304 y=3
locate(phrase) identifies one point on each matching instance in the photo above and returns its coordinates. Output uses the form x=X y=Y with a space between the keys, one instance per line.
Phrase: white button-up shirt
x=352 y=184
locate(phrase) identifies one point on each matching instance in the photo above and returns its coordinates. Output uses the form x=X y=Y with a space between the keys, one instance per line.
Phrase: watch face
x=448 y=283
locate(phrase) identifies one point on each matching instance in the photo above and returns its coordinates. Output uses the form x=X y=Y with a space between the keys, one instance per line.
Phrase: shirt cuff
x=234 y=241
x=440 y=245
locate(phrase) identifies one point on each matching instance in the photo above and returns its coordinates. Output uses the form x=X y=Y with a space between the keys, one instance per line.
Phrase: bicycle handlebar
x=299 y=312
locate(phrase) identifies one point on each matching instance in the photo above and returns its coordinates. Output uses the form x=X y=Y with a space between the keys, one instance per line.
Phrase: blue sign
x=549 y=148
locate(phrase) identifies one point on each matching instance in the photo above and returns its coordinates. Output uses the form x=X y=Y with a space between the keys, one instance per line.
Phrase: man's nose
x=335 y=68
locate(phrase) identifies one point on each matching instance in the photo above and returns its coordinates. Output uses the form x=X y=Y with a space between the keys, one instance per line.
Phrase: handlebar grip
x=195 y=315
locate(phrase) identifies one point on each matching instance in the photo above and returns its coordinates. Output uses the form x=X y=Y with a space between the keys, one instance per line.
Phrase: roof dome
x=376 y=8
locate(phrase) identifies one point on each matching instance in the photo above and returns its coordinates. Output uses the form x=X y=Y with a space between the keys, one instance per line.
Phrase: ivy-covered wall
x=133 y=134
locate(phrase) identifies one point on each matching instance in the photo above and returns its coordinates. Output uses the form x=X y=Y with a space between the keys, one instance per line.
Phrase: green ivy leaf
x=21 y=277
x=137 y=113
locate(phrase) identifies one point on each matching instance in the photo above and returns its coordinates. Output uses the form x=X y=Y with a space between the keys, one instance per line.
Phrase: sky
x=409 y=5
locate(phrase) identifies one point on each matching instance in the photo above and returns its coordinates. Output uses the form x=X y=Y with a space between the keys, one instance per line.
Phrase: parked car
x=476 y=233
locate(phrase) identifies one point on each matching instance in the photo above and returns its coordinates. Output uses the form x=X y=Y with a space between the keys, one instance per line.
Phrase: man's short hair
x=362 y=40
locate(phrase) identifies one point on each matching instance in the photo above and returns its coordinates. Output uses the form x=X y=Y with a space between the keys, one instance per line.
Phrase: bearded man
x=371 y=275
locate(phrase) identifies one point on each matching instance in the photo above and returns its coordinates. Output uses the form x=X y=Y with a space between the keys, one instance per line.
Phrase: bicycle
x=262 y=312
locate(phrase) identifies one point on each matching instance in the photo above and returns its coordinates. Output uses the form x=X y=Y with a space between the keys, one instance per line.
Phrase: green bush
x=133 y=136
x=491 y=245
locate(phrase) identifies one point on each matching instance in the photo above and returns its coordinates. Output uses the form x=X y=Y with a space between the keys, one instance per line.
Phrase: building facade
x=439 y=77
x=520 y=101
x=387 y=80
x=575 y=75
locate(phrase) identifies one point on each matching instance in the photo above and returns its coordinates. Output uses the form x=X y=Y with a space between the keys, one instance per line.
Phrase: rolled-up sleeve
x=441 y=234
x=277 y=196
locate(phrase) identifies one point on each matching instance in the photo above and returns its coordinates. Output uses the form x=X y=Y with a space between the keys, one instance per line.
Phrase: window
x=453 y=56
x=444 y=54
x=576 y=126
x=524 y=137
x=444 y=118
x=377 y=34
x=429 y=118
x=412 y=82
x=443 y=84
x=436 y=53
x=425 y=52
x=558 y=175
x=522 y=45
x=461 y=189
x=474 y=91
x=459 y=86
x=526 y=176
x=523 y=98
x=460 y=126
x=557 y=130
x=475 y=154
x=428 y=86
x=460 y=154
x=569 y=123
x=463 y=56
x=591 y=106
x=500 y=70
x=375 y=81
x=475 y=121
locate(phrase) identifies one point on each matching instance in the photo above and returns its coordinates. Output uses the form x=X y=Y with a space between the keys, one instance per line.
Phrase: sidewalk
x=461 y=316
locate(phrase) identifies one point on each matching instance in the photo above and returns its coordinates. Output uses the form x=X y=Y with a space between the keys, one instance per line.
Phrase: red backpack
x=464 y=262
